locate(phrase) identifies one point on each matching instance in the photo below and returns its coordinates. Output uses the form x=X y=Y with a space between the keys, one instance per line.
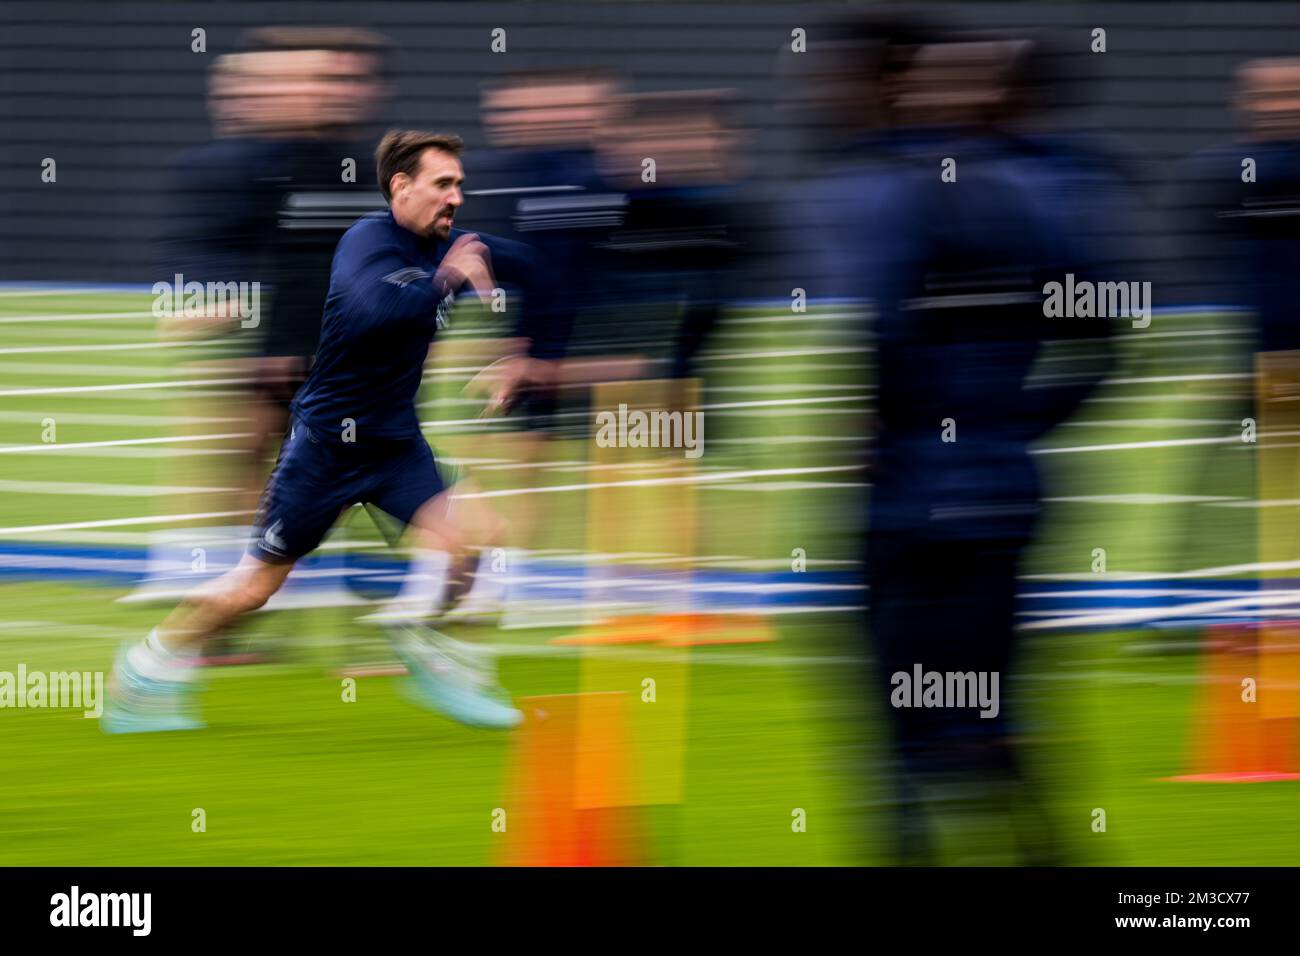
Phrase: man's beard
x=438 y=229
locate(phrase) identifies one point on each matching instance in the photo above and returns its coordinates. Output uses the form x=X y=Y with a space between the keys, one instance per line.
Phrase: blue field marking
x=377 y=576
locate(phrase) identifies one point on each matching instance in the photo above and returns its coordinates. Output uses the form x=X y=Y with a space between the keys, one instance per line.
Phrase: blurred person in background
x=264 y=204
x=1250 y=216
x=671 y=257
x=219 y=201
x=643 y=259
x=330 y=86
x=1242 y=227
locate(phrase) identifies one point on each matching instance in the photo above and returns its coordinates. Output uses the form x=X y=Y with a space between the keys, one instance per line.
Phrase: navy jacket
x=381 y=313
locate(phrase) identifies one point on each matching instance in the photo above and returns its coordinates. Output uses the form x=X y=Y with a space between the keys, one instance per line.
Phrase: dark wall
x=112 y=91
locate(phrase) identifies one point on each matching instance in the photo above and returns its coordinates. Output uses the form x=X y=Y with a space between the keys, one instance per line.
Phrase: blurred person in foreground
x=956 y=268
x=356 y=437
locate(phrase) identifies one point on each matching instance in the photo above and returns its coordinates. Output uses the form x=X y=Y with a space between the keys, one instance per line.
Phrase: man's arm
x=384 y=286
x=539 y=328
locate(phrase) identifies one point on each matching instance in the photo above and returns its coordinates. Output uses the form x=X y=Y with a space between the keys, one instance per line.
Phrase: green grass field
x=289 y=774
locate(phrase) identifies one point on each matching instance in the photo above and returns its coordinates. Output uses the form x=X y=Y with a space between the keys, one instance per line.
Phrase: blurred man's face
x=288 y=91
x=953 y=83
x=687 y=148
x=547 y=114
x=1268 y=97
x=230 y=101
x=426 y=203
x=351 y=87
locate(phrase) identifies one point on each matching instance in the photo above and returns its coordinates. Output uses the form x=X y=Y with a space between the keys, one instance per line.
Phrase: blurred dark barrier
x=113 y=91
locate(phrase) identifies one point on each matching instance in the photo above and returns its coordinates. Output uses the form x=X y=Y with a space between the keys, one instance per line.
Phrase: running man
x=356 y=437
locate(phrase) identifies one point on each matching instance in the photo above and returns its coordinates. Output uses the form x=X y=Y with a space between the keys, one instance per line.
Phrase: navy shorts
x=318 y=477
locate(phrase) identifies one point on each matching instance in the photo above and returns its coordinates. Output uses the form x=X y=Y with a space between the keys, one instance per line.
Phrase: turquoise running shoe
x=453 y=678
x=142 y=705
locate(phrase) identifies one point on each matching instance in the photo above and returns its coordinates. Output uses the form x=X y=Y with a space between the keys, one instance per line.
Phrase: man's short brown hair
x=400 y=151
x=338 y=39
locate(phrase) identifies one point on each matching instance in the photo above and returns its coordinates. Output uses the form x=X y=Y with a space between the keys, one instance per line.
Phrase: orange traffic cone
x=683 y=629
x=570 y=797
x=1237 y=737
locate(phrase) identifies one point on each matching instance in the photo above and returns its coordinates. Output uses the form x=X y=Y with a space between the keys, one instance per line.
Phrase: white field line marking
x=501 y=423
x=774 y=402
x=1206 y=377
x=779 y=486
x=44 y=629
x=707 y=356
x=100 y=371
x=129 y=386
x=1124 y=616
x=785 y=320
x=1257 y=503
x=1145 y=499
x=1137 y=445
x=762 y=403
x=75 y=317
x=1193 y=334
x=50 y=334
x=119 y=522
x=148 y=452
x=1128 y=592
x=1152 y=423
x=821 y=368
x=126 y=386
x=1161 y=399
x=776 y=387
x=42 y=349
x=104 y=490
x=1227 y=570
x=27 y=291
x=75 y=446
x=861 y=409
x=152 y=538
x=533 y=465
x=649 y=482
x=509 y=492
x=788 y=439
x=81 y=418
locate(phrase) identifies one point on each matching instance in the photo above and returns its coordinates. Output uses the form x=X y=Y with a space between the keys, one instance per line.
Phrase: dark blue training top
x=957 y=272
x=382 y=311
x=1260 y=261
x=220 y=207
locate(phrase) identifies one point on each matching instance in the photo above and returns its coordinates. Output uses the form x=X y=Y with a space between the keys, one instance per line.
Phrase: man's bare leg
x=479 y=529
x=214 y=607
x=449 y=534
x=153 y=679
x=454 y=677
